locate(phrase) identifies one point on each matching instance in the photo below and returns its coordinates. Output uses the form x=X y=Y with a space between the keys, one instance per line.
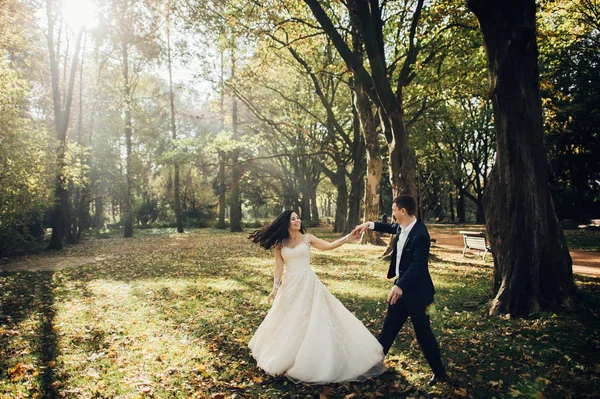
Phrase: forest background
x=132 y=114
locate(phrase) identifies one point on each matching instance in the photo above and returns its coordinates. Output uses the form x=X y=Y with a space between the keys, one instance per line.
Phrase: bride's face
x=295 y=222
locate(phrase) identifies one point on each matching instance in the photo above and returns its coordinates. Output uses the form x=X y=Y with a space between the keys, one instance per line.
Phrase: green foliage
x=25 y=174
x=570 y=82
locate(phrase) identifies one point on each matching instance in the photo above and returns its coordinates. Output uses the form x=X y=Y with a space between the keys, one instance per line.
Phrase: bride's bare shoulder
x=308 y=237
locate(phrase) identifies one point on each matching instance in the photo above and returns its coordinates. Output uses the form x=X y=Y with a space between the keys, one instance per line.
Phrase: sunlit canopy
x=79 y=13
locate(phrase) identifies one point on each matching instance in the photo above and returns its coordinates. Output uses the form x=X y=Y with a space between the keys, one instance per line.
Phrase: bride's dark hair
x=275 y=232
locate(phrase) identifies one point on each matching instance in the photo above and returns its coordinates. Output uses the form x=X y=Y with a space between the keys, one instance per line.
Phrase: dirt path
x=584 y=262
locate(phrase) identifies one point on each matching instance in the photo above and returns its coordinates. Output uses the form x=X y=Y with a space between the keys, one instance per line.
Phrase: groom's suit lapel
x=411 y=235
x=409 y=240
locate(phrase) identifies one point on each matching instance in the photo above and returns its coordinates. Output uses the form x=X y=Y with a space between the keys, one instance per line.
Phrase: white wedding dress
x=308 y=335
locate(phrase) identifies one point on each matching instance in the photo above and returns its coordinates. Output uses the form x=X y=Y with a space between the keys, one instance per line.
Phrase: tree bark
x=374 y=165
x=532 y=265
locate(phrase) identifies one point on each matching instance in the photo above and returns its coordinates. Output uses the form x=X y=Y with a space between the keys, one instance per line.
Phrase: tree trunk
x=451 y=205
x=81 y=216
x=60 y=221
x=339 y=224
x=235 y=204
x=98 y=219
x=532 y=265
x=402 y=161
x=176 y=194
x=480 y=216
x=366 y=16
x=305 y=205
x=127 y=207
x=461 y=214
x=314 y=209
x=221 y=183
x=357 y=176
x=374 y=165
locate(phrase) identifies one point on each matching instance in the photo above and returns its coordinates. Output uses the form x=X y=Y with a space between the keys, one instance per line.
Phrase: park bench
x=475 y=240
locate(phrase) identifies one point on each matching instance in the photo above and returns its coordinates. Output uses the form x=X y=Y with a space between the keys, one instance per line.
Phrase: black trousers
x=394 y=320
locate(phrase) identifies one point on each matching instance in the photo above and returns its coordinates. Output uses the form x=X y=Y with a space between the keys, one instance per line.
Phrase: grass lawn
x=170 y=316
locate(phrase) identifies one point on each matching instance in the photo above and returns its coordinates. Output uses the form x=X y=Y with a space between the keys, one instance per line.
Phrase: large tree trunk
x=176 y=194
x=402 y=162
x=532 y=265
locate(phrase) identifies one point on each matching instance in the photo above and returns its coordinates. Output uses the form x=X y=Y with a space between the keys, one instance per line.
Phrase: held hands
x=358 y=230
x=394 y=295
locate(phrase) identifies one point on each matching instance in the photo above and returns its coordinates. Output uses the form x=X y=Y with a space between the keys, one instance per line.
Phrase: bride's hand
x=272 y=295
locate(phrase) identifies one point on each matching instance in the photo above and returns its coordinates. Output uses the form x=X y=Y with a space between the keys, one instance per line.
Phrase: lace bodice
x=297 y=259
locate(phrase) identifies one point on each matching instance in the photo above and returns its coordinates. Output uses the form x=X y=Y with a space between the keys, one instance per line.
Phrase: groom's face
x=397 y=212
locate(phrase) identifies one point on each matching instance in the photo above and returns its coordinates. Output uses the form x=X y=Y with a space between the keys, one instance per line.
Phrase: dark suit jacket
x=414 y=278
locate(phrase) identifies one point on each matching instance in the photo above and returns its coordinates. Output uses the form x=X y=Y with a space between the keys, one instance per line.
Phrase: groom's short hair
x=407 y=202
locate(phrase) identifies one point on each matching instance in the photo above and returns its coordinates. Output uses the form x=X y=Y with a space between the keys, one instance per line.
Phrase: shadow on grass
x=27 y=295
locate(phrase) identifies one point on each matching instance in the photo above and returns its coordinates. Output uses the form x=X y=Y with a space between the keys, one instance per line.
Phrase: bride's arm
x=277 y=274
x=326 y=245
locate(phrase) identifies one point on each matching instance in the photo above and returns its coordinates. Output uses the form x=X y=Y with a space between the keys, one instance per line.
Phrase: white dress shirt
x=400 y=244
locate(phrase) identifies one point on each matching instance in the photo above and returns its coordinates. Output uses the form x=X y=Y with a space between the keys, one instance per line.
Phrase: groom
x=412 y=293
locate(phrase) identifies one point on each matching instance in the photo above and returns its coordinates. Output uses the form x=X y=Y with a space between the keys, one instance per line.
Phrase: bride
x=308 y=335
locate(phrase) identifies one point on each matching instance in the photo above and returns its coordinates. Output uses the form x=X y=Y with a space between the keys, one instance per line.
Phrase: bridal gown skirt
x=309 y=336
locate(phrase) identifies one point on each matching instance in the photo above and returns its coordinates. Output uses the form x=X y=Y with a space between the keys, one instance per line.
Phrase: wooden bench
x=475 y=240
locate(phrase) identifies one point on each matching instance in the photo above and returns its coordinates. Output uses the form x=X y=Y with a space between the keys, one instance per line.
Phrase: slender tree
x=62 y=113
x=176 y=191
x=235 y=203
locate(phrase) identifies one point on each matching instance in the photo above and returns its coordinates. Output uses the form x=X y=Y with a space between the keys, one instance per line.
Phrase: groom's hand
x=394 y=295
x=360 y=229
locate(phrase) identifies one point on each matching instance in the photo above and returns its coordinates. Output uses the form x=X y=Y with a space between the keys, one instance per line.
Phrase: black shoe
x=443 y=377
